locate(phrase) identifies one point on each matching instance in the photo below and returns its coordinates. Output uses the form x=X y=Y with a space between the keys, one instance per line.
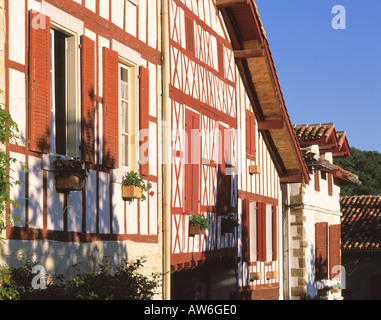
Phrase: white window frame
x=253 y=230
x=269 y=232
x=133 y=117
x=73 y=117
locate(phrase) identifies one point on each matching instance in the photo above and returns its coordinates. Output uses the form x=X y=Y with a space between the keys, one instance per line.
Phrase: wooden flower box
x=131 y=192
x=69 y=183
x=271 y=275
x=195 y=229
x=254 y=169
x=255 y=276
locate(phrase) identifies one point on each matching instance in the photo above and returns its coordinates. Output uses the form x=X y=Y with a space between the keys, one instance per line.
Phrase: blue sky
x=329 y=75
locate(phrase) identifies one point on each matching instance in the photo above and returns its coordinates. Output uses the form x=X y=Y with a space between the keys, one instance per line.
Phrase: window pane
x=269 y=232
x=124 y=88
x=124 y=150
x=124 y=117
x=253 y=231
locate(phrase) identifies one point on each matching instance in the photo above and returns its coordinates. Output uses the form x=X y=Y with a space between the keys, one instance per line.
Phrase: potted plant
x=198 y=224
x=228 y=223
x=70 y=174
x=134 y=187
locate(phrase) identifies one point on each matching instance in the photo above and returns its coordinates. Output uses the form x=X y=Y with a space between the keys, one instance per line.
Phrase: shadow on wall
x=311 y=286
x=59 y=212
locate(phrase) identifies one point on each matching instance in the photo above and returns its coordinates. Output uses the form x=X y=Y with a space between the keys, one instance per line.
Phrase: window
x=65 y=120
x=253 y=230
x=328 y=248
x=250 y=135
x=127 y=116
x=192 y=164
x=259 y=231
x=321 y=255
x=330 y=184
x=317 y=180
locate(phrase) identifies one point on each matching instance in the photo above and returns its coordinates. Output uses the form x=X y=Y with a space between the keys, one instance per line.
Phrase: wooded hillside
x=365 y=164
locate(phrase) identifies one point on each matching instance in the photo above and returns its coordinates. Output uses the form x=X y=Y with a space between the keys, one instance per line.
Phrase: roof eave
x=263 y=87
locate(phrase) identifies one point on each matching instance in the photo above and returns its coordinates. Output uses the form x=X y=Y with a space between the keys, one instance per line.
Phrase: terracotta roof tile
x=313 y=131
x=361 y=223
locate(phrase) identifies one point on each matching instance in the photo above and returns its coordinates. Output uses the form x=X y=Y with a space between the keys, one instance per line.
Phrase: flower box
x=254 y=169
x=255 y=276
x=271 y=275
x=134 y=187
x=335 y=290
x=196 y=229
x=131 y=192
x=69 y=183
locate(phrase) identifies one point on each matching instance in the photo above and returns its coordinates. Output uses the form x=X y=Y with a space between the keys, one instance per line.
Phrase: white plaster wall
x=71 y=258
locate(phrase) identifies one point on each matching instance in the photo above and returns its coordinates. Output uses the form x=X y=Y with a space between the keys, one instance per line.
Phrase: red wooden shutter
x=317 y=180
x=220 y=57
x=144 y=119
x=88 y=99
x=189 y=34
x=250 y=135
x=330 y=184
x=334 y=249
x=275 y=232
x=246 y=230
x=261 y=231
x=224 y=177
x=192 y=166
x=39 y=82
x=321 y=257
x=110 y=108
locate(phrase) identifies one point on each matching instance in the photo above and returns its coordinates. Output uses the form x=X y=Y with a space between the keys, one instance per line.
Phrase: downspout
x=166 y=139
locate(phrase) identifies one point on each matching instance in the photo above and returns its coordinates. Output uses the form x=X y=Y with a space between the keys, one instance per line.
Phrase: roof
x=256 y=66
x=345 y=176
x=361 y=223
x=325 y=136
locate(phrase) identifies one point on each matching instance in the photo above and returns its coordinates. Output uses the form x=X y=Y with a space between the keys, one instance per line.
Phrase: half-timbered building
x=226 y=103
x=185 y=91
x=83 y=80
x=313 y=216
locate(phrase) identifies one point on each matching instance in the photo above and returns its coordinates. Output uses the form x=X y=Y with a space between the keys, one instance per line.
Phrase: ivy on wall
x=9 y=134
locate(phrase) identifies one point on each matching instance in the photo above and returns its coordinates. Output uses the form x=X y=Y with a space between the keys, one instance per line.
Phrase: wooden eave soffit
x=229 y=3
x=249 y=53
x=271 y=125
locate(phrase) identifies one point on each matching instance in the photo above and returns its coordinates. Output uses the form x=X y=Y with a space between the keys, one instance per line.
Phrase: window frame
x=133 y=111
x=72 y=92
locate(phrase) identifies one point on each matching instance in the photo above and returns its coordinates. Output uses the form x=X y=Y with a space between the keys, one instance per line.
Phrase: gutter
x=166 y=154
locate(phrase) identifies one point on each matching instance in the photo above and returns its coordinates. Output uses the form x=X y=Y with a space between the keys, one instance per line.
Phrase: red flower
x=151 y=193
x=68 y=163
x=82 y=161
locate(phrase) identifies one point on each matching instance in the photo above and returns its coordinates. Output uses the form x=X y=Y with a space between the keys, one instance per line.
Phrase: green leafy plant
x=123 y=282
x=9 y=134
x=72 y=167
x=230 y=220
x=135 y=178
x=199 y=219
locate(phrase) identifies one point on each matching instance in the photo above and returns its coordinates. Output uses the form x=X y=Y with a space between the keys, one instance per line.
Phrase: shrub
x=122 y=282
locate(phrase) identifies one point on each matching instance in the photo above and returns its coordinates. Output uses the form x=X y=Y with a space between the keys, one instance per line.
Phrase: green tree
x=365 y=164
